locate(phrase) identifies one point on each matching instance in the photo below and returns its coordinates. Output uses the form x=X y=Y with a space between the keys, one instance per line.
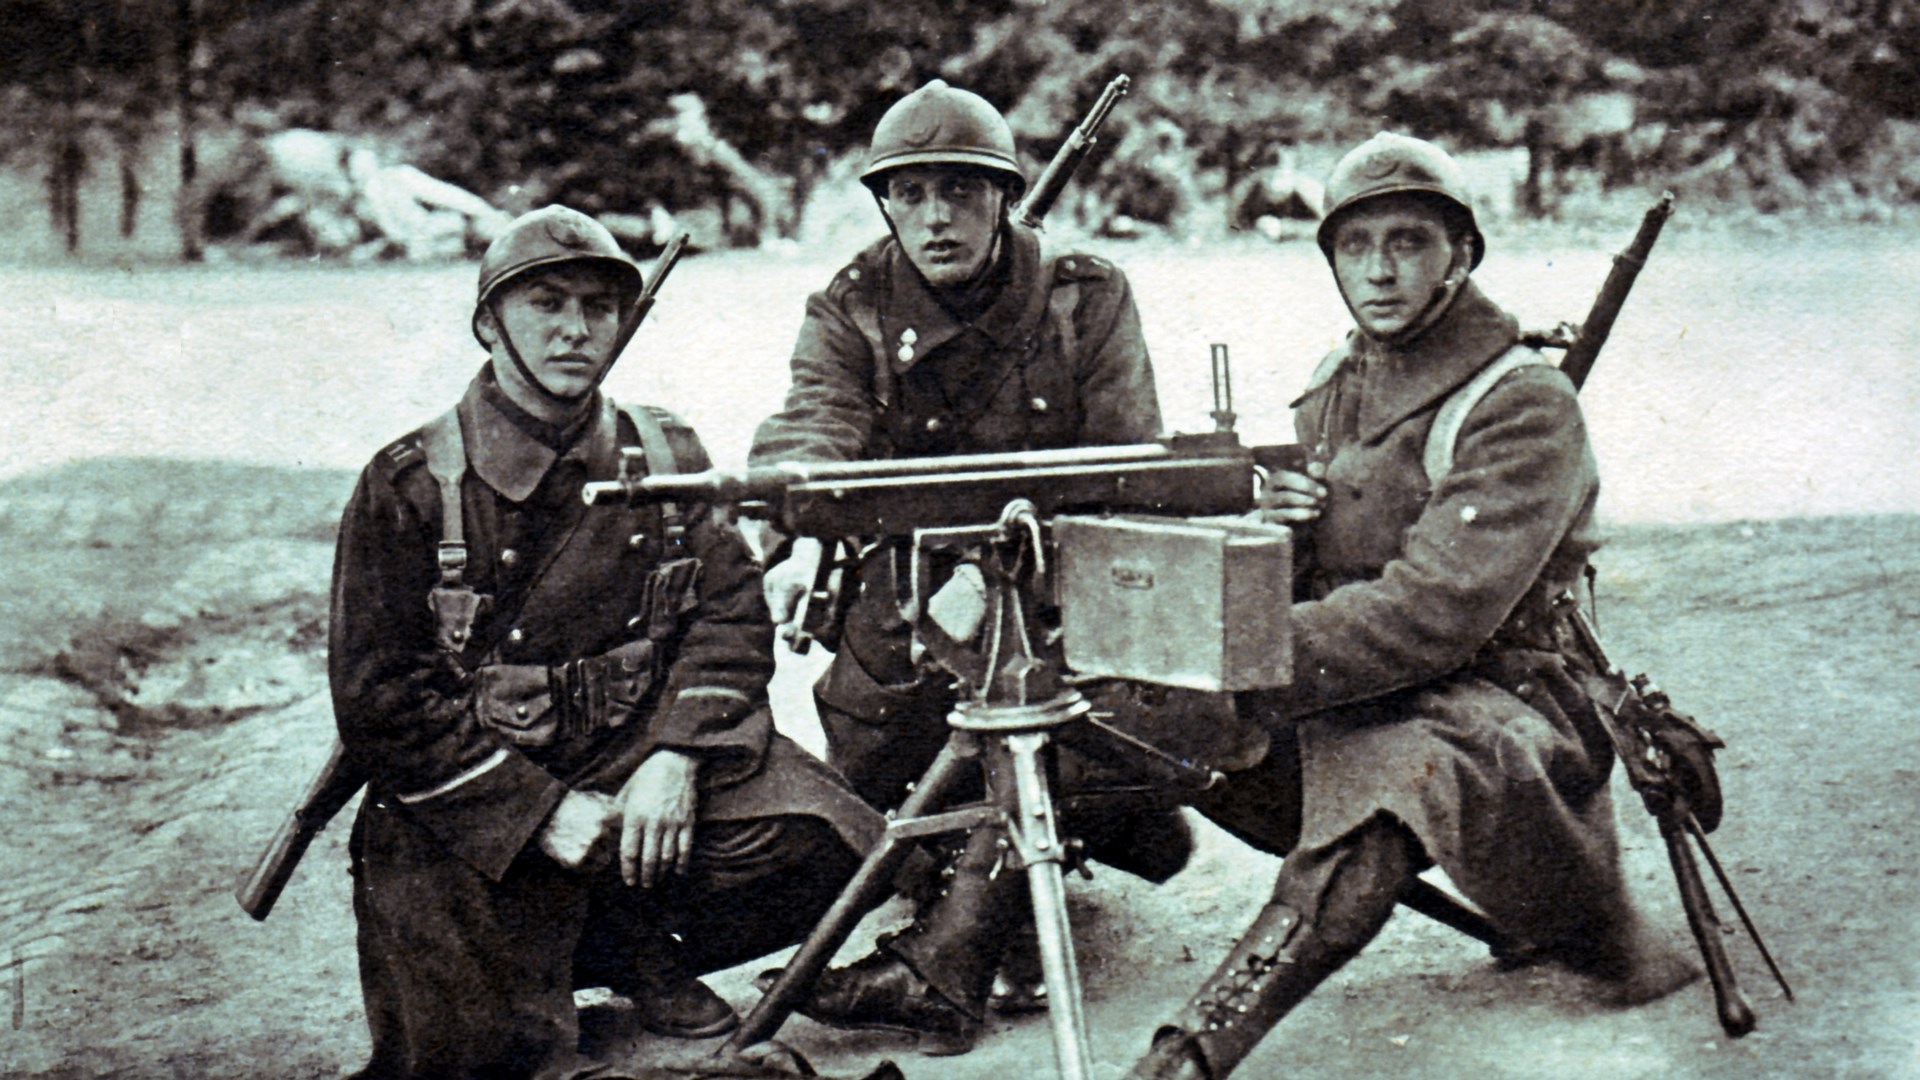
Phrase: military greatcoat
x=1427 y=684
x=608 y=632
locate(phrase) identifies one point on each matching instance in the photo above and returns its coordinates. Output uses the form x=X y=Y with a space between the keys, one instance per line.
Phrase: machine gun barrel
x=1182 y=475
x=1066 y=161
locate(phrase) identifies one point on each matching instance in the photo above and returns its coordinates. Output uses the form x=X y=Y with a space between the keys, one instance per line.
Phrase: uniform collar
x=511 y=459
x=1404 y=379
x=915 y=323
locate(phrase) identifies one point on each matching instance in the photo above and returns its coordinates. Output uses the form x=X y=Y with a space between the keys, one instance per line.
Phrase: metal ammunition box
x=1193 y=602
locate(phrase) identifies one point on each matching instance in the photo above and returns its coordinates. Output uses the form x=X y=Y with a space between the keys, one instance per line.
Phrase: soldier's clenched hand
x=1292 y=497
x=577 y=826
x=787 y=581
x=656 y=818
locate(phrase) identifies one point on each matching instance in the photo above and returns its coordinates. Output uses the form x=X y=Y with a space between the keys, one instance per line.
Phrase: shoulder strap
x=446 y=452
x=1063 y=301
x=653 y=439
x=1452 y=417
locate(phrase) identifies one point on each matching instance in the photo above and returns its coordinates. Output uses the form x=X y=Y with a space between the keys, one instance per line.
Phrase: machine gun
x=338 y=781
x=1130 y=545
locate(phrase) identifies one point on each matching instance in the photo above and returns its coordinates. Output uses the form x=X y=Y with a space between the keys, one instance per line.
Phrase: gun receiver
x=1181 y=475
x=1066 y=161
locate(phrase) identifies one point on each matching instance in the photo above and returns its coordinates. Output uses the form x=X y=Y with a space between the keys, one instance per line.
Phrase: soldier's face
x=564 y=322
x=1391 y=257
x=946 y=219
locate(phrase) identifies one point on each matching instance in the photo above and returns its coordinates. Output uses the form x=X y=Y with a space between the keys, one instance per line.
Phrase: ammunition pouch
x=534 y=705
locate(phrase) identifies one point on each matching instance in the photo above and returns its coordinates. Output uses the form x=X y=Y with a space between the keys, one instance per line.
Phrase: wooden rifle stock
x=1053 y=180
x=330 y=791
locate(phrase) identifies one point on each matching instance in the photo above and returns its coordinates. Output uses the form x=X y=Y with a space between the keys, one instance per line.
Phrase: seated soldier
x=530 y=683
x=1431 y=717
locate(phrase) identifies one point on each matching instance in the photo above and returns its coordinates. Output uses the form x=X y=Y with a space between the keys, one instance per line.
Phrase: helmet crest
x=1387 y=164
x=544 y=237
x=941 y=125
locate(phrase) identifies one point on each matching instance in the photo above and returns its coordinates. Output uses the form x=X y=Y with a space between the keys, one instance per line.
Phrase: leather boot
x=932 y=979
x=1327 y=905
x=1260 y=980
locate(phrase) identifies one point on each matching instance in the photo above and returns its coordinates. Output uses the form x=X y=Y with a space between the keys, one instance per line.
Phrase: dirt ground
x=162 y=704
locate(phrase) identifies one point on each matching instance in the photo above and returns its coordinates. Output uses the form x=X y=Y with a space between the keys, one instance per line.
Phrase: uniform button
x=635 y=622
x=515 y=636
x=636 y=540
x=905 y=354
x=934 y=424
x=1039 y=404
x=1069 y=264
x=509 y=558
x=908 y=336
x=853 y=274
x=520 y=711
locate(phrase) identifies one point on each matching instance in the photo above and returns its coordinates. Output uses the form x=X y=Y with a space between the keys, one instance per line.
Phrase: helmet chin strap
x=986 y=264
x=1436 y=306
x=628 y=325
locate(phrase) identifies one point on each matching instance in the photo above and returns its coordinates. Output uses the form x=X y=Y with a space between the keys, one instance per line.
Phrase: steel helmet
x=552 y=234
x=1387 y=164
x=939 y=125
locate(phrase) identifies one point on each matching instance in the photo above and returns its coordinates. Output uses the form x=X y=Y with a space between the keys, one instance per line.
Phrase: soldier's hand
x=787 y=581
x=656 y=818
x=574 y=831
x=1291 y=497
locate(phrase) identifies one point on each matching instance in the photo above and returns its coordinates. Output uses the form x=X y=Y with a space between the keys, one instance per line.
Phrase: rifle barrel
x=1578 y=363
x=657 y=276
x=1053 y=180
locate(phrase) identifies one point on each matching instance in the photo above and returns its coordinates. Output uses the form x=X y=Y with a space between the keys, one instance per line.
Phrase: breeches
x=468 y=977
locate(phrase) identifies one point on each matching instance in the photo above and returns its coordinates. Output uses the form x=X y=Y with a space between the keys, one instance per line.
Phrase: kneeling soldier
x=534 y=685
x=956 y=334
x=1431 y=717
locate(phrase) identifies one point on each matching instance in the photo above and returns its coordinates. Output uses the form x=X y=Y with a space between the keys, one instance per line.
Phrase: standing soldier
x=956 y=334
x=532 y=684
x=1431 y=713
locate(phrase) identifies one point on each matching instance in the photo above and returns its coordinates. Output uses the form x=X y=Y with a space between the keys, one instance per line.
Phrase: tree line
x=618 y=106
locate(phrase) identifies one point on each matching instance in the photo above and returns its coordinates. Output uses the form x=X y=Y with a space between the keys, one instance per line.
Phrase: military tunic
x=883 y=369
x=602 y=641
x=1427 y=682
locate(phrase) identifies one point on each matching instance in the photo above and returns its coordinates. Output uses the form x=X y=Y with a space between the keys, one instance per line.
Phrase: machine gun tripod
x=1016 y=710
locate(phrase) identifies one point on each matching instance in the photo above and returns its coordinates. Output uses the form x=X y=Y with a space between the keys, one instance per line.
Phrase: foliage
x=587 y=101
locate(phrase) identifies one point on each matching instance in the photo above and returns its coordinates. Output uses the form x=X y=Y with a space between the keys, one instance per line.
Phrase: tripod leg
x=871 y=885
x=1037 y=840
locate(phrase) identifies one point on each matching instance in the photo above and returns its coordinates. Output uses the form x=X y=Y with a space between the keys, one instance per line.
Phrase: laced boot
x=1346 y=892
x=1260 y=980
